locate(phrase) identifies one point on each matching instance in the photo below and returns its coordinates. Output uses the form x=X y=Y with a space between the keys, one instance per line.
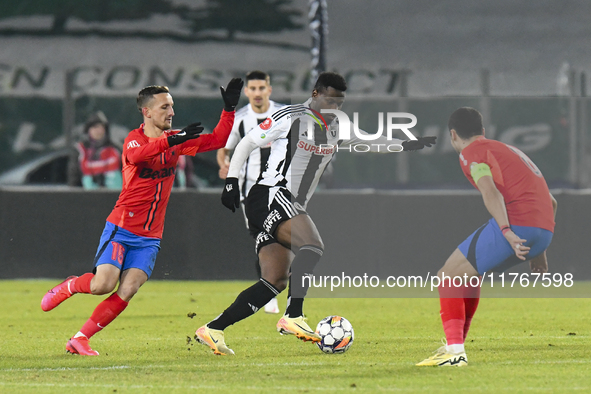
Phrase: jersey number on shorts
x=530 y=164
x=118 y=252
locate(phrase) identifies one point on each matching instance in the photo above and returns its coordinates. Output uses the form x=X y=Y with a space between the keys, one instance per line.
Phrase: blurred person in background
x=99 y=160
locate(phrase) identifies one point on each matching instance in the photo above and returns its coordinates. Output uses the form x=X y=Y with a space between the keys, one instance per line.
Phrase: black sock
x=303 y=265
x=246 y=304
x=295 y=307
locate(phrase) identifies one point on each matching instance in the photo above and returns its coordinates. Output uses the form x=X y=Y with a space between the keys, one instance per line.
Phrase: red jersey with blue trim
x=519 y=180
x=149 y=167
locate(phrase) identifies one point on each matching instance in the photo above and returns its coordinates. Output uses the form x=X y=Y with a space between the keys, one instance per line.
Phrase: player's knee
x=319 y=244
x=99 y=287
x=313 y=240
x=277 y=279
x=126 y=293
x=280 y=283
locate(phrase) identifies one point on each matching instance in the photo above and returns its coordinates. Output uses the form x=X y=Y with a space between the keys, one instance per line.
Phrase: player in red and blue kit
x=131 y=239
x=521 y=228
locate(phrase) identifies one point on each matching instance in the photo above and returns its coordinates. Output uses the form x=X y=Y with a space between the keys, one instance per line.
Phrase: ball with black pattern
x=337 y=334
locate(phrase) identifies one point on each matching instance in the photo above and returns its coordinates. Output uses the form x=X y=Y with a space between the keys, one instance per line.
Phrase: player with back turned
x=276 y=206
x=521 y=228
x=131 y=239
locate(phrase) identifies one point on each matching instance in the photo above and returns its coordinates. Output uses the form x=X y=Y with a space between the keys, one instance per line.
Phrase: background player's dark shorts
x=488 y=250
x=266 y=207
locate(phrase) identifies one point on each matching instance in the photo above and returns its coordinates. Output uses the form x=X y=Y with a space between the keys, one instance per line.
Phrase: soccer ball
x=337 y=334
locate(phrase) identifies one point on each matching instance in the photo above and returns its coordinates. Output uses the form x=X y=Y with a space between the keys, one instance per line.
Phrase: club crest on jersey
x=266 y=125
x=133 y=144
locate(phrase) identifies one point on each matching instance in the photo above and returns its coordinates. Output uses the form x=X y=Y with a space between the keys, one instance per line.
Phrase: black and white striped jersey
x=246 y=120
x=302 y=146
x=296 y=162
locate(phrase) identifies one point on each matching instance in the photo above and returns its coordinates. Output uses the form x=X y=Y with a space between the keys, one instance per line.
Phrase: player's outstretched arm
x=191 y=132
x=216 y=140
x=231 y=94
x=419 y=143
x=380 y=143
x=221 y=132
x=135 y=153
x=495 y=204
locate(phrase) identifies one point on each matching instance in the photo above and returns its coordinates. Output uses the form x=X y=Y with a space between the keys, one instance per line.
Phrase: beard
x=164 y=125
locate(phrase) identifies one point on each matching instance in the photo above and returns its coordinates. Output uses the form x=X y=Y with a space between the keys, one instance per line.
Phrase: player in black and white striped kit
x=303 y=144
x=258 y=91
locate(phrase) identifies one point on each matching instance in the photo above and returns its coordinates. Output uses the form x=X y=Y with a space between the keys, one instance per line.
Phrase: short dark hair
x=147 y=94
x=257 y=75
x=466 y=121
x=330 y=79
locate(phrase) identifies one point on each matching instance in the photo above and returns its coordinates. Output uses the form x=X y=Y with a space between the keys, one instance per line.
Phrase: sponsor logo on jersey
x=263 y=135
x=294 y=115
x=148 y=173
x=273 y=217
x=262 y=238
x=266 y=125
x=133 y=144
x=322 y=150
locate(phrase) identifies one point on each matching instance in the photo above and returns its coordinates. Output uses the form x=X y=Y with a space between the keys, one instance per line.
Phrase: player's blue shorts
x=488 y=250
x=125 y=250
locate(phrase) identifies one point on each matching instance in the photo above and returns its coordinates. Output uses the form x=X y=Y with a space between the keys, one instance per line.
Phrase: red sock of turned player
x=453 y=314
x=471 y=299
x=82 y=283
x=104 y=313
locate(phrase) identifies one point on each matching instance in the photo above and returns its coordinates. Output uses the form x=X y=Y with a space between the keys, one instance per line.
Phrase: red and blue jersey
x=519 y=180
x=149 y=167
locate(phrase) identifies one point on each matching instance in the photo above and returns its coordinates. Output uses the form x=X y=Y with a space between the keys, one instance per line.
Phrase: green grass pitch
x=515 y=345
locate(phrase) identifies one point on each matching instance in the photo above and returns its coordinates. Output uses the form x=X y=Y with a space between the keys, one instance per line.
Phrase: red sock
x=453 y=315
x=103 y=314
x=82 y=283
x=471 y=299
